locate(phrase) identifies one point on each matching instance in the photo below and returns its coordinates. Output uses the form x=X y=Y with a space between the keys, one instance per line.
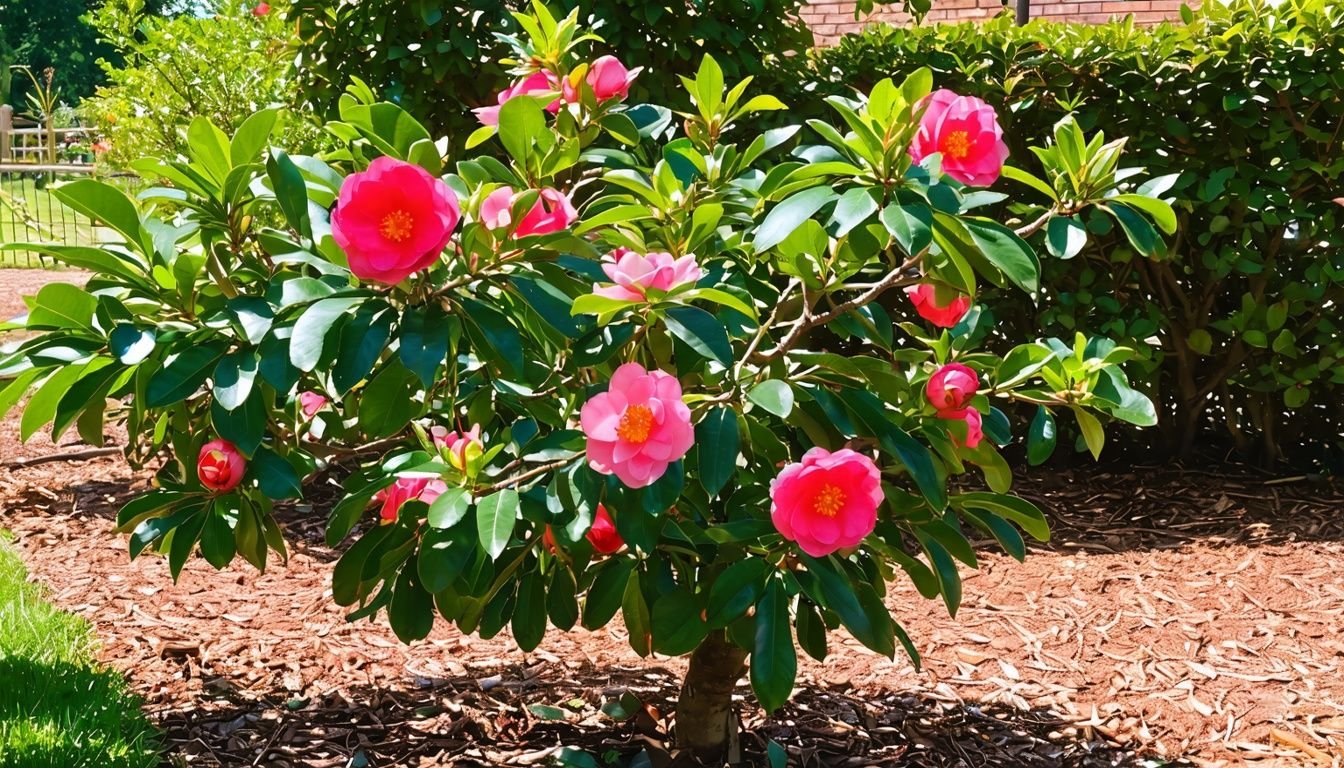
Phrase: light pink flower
x=393 y=220
x=965 y=130
x=551 y=213
x=634 y=274
x=609 y=78
x=537 y=82
x=456 y=443
x=974 y=426
x=828 y=501
x=310 y=403
x=951 y=387
x=405 y=489
x=220 y=467
x=925 y=298
x=638 y=426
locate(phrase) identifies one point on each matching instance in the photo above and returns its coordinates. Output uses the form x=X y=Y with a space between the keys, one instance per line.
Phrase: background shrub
x=1240 y=318
x=440 y=58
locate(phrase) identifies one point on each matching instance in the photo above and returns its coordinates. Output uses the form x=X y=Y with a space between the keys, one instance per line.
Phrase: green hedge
x=1242 y=318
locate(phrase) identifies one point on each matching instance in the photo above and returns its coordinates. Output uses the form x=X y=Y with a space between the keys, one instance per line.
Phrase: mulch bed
x=1175 y=616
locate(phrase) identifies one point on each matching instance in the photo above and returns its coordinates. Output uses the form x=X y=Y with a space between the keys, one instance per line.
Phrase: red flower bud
x=220 y=466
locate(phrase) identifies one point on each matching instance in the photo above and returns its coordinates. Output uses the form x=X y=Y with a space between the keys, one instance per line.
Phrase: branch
x=1036 y=225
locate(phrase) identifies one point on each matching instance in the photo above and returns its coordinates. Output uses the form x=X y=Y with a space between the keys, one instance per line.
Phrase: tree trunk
x=705 y=718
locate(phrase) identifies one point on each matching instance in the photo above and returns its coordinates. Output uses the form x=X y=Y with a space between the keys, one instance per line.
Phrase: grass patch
x=58 y=707
x=20 y=201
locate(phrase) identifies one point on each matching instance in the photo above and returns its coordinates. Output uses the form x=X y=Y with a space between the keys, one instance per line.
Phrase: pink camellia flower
x=405 y=489
x=537 y=82
x=826 y=502
x=220 y=467
x=393 y=220
x=456 y=443
x=609 y=78
x=924 y=297
x=974 y=426
x=952 y=387
x=310 y=403
x=551 y=213
x=634 y=274
x=261 y=9
x=638 y=426
x=966 y=132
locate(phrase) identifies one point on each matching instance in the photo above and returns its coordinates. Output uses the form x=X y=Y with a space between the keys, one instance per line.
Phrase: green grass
x=57 y=223
x=58 y=707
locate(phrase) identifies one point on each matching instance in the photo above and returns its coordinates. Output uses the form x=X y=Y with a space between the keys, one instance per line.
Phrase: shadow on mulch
x=537 y=716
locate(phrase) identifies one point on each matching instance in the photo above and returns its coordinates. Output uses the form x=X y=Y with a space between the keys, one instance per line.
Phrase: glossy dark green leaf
x=676 y=624
x=529 y=616
x=495 y=518
x=275 y=476
x=701 y=332
x=604 y=596
x=788 y=215
x=181 y=375
x=873 y=629
x=411 y=612
x=774 y=662
x=635 y=612
x=717 y=439
x=1009 y=253
x=910 y=221
x=311 y=330
x=1041 y=436
x=425 y=334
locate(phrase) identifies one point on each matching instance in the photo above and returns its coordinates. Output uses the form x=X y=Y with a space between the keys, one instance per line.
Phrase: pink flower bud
x=455 y=443
x=952 y=387
x=220 y=467
x=609 y=78
x=261 y=9
x=310 y=403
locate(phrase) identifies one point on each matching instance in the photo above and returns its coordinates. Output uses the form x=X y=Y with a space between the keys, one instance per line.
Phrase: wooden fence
x=33 y=143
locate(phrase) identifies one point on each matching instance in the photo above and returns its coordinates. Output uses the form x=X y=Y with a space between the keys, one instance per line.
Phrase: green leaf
x=718 y=440
x=252 y=137
x=1041 y=436
x=217 y=540
x=910 y=221
x=64 y=306
x=521 y=123
x=788 y=215
x=913 y=454
x=108 y=204
x=774 y=662
x=529 y=617
x=388 y=403
x=773 y=395
x=949 y=580
x=841 y=595
x=735 y=590
x=701 y=332
x=234 y=377
x=500 y=334
x=275 y=476
x=635 y=611
x=676 y=624
x=495 y=518
x=449 y=509
x=244 y=426
x=411 y=612
x=425 y=335
x=310 y=332
x=1065 y=236
x=852 y=209
x=209 y=148
x=363 y=340
x=811 y=630
x=1160 y=211
x=181 y=375
x=1027 y=516
x=604 y=596
x=1138 y=231
x=291 y=192
x=1009 y=253
x=131 y=345
x=1093 y=434
x=561 y=604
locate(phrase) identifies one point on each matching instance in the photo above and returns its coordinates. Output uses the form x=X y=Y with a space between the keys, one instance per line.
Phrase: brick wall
x=830 y=19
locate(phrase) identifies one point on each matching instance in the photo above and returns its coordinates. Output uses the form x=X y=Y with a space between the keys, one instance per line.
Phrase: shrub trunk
x=705 y=719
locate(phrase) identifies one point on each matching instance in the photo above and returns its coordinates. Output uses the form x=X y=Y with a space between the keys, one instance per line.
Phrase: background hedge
x=1240 y=321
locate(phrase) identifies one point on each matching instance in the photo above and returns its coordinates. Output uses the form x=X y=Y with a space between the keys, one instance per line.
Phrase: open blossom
x=310 y=403
x=634 y=274
x=393 y=220
x=638 y=426
x=405 y=489
x=261 y=9
x=220 y=467
x=966 y=132
x=974 y=426
x=551 y=213
x=951 y=387
x=925 y=298
x=826 y=502
x=601 y=534
x=455 y=443
x=537 y=82
x=609 y=78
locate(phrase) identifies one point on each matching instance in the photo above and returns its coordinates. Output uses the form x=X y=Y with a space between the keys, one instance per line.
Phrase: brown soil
x=1175 y=615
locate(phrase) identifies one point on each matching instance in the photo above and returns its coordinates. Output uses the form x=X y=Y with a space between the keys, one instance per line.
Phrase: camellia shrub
x=1236 y=111
x=725 y=386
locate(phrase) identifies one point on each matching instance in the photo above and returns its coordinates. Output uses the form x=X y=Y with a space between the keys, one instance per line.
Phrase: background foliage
x=1239 y=318
x=440 y=58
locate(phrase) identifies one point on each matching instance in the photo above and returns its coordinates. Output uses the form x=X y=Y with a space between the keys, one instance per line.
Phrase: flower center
x=636 y=424
x=829 y=501
x=396 y=226
x=957 y=145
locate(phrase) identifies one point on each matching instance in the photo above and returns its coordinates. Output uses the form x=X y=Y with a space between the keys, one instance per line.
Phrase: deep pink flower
x=537 y=82
x=220 y=467
x=405 y=489
x=974 y=426
x=951 y=387
x=602 y=534
x=638 y=426
x=393 y=220
x=925 y=298
x=551 y=213
x=456 y=443
x=826 y=502
x=261 y=9
x=634 y=274
x=609 y=78
x=965 y=130
x=310 y=403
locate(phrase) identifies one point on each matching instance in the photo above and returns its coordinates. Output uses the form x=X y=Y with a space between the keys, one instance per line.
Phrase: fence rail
x=29 y=213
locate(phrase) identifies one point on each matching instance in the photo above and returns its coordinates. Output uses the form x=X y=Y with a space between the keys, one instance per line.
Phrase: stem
x=705 y=718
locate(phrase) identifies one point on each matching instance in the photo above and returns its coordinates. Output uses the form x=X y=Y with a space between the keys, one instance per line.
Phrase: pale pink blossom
x=634 y=274
x=638 y=426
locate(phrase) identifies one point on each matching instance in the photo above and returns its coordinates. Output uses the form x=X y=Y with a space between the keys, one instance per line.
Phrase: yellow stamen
x=636 y=424
x=397 y=226
x=957 y=145
x=829 y=501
